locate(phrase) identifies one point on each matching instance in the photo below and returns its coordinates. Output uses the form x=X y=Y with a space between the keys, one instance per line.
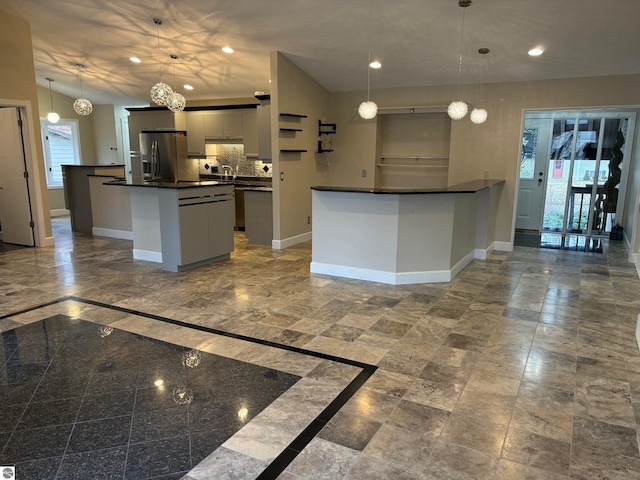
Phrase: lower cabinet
x=196 y=226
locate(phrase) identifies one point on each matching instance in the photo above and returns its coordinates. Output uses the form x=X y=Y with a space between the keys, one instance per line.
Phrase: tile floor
x=524 y=367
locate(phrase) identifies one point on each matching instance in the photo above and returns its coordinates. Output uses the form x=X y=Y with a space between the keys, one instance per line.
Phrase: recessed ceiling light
x=135 y=60
x=534 y=52
x=227 y=49
x=187 y=86
x=375 y=64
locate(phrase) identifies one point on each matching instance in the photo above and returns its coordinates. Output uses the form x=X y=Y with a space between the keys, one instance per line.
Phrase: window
x=60 y=146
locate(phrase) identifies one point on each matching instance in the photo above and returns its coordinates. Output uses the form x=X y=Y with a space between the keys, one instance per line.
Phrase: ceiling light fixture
x=458 y=109
x=160 y=92
x=368 y=109
x=52 y=116
x=187 y=86
x=375 y=64
x=227 y=49
x=135 y=60
x=479 y=115
x=176 y=101
x=82 y=106
x=535 y=52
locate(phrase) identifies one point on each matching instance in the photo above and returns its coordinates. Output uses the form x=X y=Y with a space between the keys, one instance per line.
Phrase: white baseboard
x=483 y=253
x=503 y=246
x=59 y=212
x=291 y=241
x=147 y=255
x=108 y=232
x=390 y=278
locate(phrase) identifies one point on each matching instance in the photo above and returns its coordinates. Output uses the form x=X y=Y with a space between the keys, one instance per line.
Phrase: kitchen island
x=183 y=225
x=402 y=236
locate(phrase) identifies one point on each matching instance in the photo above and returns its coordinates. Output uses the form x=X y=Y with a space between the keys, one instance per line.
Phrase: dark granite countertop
x=467 y=187
x=179 y=185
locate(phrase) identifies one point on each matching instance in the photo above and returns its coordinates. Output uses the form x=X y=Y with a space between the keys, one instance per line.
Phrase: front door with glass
x=584 y=176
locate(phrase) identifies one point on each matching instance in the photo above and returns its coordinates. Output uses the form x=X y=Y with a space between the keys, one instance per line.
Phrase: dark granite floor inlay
x=79 y=397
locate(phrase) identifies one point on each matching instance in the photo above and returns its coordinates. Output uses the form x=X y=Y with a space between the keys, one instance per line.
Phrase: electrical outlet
x=308 y=220
x=281 y=175
x=485 y=174
x=364 y=172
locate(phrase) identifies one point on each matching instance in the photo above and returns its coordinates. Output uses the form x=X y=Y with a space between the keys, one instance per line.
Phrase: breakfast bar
x=402 y=236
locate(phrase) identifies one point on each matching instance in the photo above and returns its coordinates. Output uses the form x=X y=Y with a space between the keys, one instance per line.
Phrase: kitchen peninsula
x=402 y=236
x=184 y=224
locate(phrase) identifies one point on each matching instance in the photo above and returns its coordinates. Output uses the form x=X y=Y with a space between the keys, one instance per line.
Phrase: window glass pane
x=61 y=148
x=528 y=155
x=558 y=175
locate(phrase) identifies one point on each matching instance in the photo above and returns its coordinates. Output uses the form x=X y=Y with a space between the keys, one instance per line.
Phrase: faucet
x=227 y=169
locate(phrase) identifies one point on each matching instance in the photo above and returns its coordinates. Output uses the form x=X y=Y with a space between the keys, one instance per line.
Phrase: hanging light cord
x=50 y=94
x=368 y=76
x=158 y=22
x=173 y=64
x=81 y=89
x=464 y=7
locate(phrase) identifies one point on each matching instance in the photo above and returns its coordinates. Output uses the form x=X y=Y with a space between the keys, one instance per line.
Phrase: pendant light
x=479 y=115
x=176 y=101
x=52 y=116
x=160 y=92
x=82 y=106
x=458 y=109
x=368 y=109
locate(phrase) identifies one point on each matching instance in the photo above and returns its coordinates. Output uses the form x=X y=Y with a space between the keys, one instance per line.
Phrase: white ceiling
x=417 y=41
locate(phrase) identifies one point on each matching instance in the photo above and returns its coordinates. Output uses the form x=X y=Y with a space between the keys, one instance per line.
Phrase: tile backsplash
x=233 y=155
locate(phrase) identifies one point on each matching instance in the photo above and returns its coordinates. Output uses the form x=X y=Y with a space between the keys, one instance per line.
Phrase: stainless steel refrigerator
x=164 y=157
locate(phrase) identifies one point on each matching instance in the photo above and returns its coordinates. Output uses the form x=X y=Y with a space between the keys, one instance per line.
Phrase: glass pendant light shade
x=161 y=93
x=176 y=102
x=457 y=110
x=82 y=106
x=53 y=117
x=478 y=115
x=368 y=110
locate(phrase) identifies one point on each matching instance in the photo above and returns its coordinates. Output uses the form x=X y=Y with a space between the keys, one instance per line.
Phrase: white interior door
x=533 y=172
x=15 y=207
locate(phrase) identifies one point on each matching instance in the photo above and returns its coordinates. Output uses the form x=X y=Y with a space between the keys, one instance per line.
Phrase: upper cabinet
x=223 y=125
x=195 y=133
x=148 y=120
x=250 y=132
x=264 y=129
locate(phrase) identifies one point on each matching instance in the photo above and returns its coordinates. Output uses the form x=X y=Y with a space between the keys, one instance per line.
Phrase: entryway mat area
x=94 y=391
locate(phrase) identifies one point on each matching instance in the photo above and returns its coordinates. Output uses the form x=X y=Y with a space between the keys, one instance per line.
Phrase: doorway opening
x=572 y=180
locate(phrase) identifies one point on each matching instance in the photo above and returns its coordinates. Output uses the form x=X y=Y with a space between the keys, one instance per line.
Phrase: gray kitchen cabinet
x=135 y=127
x=153 y=120
x=258 y=216
x=194 y=233
x=264 y=130
x=195 y=132
x=196 y=225
x=220 y=221
x=223 y=125
x=250 y=132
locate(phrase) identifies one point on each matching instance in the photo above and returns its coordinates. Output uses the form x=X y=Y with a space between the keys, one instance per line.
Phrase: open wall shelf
x=296 y=115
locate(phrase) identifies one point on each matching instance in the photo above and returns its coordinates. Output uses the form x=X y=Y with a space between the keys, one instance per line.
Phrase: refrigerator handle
x=155 y=167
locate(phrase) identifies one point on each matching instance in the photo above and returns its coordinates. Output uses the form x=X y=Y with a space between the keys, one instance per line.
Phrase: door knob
x=539 y=180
